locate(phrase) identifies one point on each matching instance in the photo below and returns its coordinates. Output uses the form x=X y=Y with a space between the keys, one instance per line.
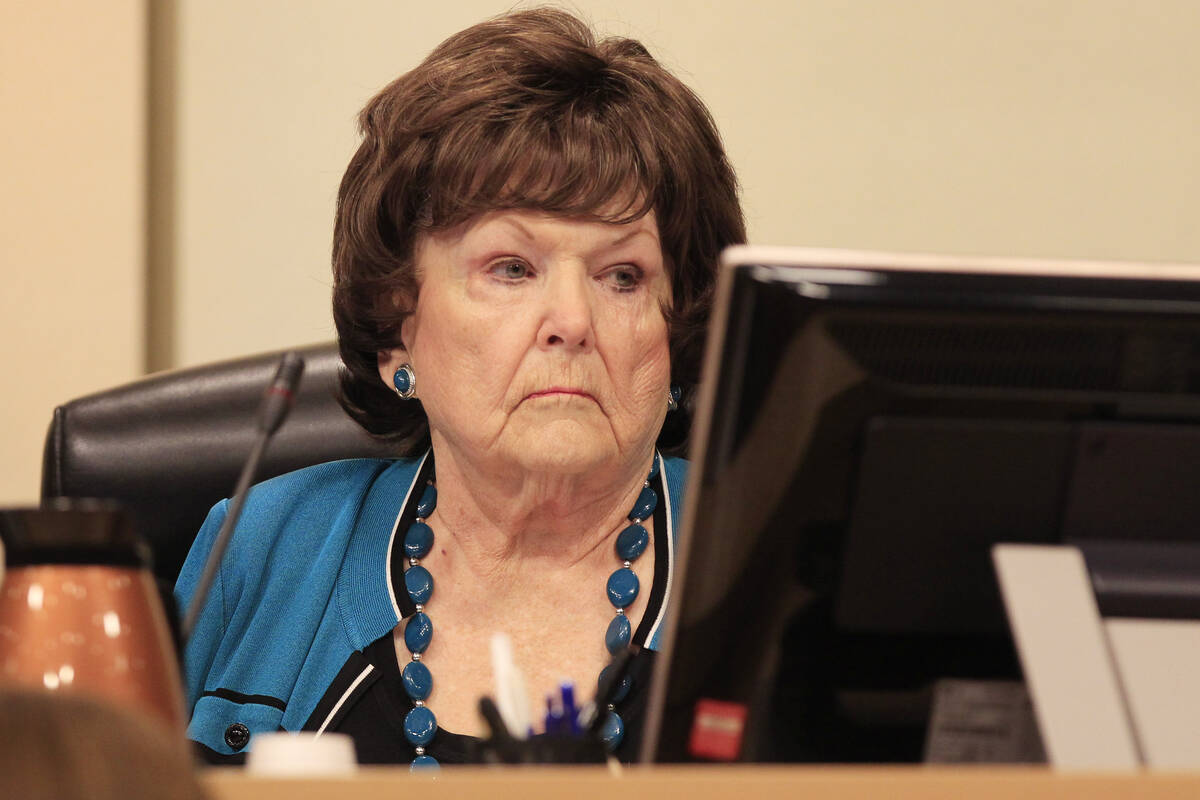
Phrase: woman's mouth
x=559 y=392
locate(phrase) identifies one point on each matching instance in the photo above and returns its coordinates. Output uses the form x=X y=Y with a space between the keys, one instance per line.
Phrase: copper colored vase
x=79 y=611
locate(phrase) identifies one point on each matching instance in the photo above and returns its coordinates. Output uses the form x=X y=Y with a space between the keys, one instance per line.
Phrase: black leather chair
x=170 y=445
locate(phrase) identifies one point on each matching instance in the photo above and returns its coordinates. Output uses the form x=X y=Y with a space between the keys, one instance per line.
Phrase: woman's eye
x=511 y=270
x=625 y=278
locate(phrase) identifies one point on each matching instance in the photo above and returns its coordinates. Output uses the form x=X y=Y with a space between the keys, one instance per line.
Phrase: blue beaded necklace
x=420 y=724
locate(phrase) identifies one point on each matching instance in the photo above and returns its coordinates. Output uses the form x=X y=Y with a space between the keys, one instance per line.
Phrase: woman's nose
x=567 y=313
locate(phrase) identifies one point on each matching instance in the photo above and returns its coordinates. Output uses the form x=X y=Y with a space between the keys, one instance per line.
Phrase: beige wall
x=1037 y=127
x=72 y=79
x=1032 y=127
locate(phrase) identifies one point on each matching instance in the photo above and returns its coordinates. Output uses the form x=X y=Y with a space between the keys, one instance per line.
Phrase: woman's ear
x=389 y=361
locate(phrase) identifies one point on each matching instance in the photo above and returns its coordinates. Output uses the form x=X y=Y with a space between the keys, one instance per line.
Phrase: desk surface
x=714 y=783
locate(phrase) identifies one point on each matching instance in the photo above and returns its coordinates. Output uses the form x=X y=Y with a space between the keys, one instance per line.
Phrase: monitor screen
x=869 y=426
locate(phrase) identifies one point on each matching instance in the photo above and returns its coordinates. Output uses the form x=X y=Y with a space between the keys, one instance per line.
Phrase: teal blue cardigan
x=305 y=584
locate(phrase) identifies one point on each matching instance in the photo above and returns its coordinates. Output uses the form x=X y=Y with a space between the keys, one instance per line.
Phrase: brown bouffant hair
x=525 y=111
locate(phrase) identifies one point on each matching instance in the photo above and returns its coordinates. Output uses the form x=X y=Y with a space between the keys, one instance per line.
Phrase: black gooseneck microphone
x=276 y=403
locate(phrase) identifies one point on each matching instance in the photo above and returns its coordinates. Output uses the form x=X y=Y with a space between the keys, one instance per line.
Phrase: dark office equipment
x=869 y=427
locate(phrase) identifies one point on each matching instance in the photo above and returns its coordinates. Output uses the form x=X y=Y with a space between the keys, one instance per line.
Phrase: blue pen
x=553 y=716
x=570 y=722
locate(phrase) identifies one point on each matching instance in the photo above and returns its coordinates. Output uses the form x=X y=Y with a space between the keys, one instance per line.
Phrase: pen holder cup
x=543 y=749
x=80 y=612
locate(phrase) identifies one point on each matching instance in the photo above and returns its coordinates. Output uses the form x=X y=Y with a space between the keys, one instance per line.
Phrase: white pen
x=512 y=700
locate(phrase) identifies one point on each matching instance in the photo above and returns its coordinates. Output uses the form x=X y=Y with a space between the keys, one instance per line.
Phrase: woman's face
x=539 y=341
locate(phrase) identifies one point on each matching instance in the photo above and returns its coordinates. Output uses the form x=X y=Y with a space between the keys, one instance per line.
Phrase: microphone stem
x=249 y=470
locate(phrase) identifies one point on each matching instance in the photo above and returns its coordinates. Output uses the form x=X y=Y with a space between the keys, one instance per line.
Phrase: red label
x=717 y=729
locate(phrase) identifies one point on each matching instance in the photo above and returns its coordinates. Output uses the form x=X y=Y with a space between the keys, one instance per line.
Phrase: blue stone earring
x=673 y=395
x=405 y=381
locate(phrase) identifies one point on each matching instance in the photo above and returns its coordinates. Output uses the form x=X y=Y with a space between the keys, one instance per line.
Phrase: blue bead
x=653 y=468
x=622 y=588
x=418 y=541
x=419 y=583
x=613 y=731
x=428 y=502
x=418 y=680
x=422 y=763
x=621 y=691
x=645 y=504
x=616 y=638
x=632 y=542
x=418 y=632
x=419 y=726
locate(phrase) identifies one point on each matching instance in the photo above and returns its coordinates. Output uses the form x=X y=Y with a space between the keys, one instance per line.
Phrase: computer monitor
x=868 y=427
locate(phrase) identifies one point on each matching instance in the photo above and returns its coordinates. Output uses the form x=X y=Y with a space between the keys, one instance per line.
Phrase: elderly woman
x=524 y=257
